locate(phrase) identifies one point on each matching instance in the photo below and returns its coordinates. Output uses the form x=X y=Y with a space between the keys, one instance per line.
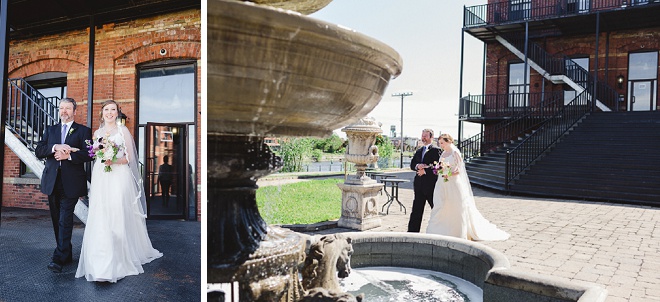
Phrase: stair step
x=588 y=162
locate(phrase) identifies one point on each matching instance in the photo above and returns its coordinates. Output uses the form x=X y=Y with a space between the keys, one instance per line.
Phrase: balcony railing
x=507 y=12
x=506 y=130
x=505 y=105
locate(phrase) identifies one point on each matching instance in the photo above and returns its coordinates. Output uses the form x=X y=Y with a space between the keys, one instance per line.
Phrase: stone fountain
x=359 y=206
x=274 y=72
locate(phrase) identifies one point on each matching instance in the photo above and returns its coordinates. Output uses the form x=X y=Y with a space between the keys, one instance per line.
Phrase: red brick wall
x=612 y=61
x=119 y=48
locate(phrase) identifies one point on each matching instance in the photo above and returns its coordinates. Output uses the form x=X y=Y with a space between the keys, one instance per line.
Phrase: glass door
x=166 y=170
x=167 y=126
x=642 y=81
x=641 y=96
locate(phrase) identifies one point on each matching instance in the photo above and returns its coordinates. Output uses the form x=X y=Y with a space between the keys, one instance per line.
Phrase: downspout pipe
x=4 y=62
x=90 y=71
x=460 y=80
x=90 y=84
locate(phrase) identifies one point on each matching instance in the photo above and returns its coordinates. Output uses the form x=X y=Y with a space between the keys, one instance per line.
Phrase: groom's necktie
x=63 y=133
x=63 y=137
x=423 y=152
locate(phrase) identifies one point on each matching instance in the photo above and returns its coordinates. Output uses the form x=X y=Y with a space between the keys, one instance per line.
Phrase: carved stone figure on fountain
x=328 y=259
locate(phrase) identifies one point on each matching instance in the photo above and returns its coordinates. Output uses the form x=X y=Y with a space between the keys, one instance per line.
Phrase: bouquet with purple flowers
x=103 y=148
x=443 y=169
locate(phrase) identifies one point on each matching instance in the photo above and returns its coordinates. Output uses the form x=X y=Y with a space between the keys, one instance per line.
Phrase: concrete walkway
x=614 y=245
x=27 y=243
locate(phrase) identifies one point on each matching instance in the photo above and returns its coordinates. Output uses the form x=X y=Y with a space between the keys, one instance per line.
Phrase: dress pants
x=61 y=213
x=417 y=212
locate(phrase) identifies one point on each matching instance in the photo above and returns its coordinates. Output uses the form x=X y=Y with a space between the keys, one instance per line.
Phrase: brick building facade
x=613 y=58
x=595 y=43
x=125 y=53
x=564 y=82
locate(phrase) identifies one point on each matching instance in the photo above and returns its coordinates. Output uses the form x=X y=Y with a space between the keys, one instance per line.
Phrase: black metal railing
x=29 y=112
x=506 y=12
x=562 y=65
x=503 y=132
x=519 y=158
x=504 y=105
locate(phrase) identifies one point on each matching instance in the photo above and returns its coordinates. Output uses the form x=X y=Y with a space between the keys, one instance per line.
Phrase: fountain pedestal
x=263 y=260
x=359 y=204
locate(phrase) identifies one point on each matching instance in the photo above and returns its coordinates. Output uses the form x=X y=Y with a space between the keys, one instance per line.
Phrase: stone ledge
x=306 y=228
x=22 y=180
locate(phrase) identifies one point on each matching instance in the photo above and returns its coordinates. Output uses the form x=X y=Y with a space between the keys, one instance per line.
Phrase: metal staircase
x=500 y=156
x=512 y=146
x=560 y=69
x=28 y=115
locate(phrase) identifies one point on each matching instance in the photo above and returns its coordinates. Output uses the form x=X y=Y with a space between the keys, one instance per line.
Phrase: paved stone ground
x=27 y=243
x=614 y=245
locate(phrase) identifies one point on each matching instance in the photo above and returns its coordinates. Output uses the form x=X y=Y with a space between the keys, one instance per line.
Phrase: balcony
x=497 y=107
x=559 y=17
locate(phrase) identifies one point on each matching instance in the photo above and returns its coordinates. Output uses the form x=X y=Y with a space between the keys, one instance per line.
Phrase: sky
x=427 y=35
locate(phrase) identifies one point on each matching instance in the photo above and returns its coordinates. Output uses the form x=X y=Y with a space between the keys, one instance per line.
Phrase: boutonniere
x=71 y=130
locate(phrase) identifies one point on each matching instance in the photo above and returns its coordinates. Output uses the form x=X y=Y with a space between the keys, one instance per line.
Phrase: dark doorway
x=167 y=170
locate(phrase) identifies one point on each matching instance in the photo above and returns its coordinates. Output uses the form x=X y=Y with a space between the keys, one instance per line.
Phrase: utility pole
x=402 y=95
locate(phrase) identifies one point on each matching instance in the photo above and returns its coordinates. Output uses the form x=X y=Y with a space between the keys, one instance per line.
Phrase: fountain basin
x=302 y=6
x=279 y=72
x=481 y=265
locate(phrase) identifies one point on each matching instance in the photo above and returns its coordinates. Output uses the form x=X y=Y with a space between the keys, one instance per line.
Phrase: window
x=518 y=85
x=520 y=9
x=643 y=66
x=167 y=94
x=578 y=6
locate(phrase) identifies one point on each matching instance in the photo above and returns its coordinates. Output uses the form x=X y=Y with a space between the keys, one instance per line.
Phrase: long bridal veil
x=456 y=213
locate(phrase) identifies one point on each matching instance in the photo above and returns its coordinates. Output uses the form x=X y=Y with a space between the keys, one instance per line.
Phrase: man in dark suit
x=425 y=179
x=64 y=179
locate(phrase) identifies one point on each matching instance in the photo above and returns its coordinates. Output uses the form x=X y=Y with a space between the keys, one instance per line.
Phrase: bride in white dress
x=455 y=212
x=116 y=243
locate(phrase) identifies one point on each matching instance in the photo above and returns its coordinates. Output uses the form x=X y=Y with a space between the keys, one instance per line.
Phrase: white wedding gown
x=455 y=212
x=115 y=243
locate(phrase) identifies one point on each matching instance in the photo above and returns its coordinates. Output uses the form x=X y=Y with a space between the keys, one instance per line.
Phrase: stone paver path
x=616 y=246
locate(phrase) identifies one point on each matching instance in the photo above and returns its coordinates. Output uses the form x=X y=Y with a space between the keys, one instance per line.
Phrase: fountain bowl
x=305 y=7
x=479 y=264
x=277 y=72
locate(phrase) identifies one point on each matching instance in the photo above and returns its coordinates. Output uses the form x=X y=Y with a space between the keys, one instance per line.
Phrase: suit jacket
x=74 y=178
x=425 y=183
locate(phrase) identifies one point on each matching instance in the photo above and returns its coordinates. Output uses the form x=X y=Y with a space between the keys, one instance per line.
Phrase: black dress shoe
x=56 y=268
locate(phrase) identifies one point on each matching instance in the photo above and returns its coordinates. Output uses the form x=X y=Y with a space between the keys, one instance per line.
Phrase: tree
x=385 y=149
x=293 y=152
x=333 y=144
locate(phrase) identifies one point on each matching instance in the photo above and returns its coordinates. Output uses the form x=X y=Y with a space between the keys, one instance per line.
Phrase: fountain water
x=274 y=72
